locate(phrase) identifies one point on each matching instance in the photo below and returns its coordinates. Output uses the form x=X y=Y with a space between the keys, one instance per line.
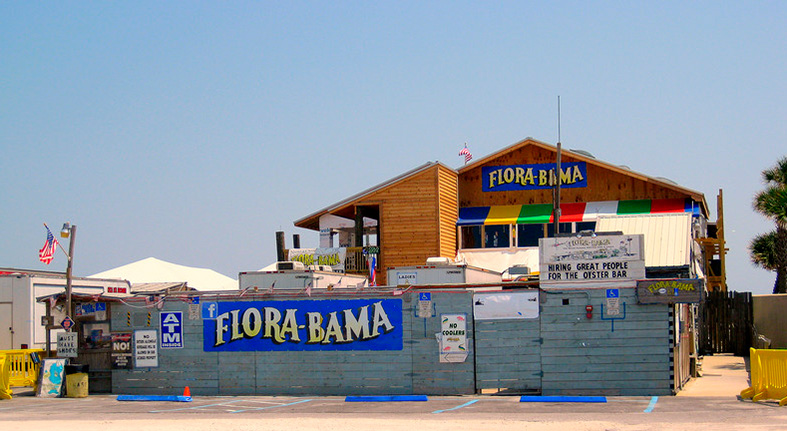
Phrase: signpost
x=425 y=304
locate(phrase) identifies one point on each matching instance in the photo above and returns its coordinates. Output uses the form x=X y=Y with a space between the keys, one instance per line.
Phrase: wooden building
x=504 y=202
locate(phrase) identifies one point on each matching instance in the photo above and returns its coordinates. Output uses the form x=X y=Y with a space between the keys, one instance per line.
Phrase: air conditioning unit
x=438 y=261
x=289 y=266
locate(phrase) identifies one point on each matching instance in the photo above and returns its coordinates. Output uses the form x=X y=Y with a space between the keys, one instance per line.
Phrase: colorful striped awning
x=571 y=212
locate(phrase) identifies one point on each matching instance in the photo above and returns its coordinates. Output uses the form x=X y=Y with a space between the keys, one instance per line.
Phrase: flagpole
x=58 y=243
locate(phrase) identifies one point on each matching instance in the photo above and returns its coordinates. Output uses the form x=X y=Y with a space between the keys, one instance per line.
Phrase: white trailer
x=294 y=275
x=20 y=314
x=442 y=272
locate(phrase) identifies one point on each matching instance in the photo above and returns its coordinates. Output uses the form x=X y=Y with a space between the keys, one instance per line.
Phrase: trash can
x=76 y=380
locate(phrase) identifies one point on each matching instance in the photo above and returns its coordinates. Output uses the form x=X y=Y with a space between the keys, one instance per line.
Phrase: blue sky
x=192 y=131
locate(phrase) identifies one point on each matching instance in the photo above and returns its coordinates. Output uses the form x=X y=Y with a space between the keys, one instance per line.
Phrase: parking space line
x=457 y=407
x=271 y=407
x=652 y=404
x=197 y=407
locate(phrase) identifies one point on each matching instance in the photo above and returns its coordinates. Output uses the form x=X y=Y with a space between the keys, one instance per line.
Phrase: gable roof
x=312 y=221
x=697 y=196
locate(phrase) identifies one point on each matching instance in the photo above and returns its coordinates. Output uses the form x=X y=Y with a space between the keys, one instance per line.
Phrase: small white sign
x=425 y=309
x=145 y=348
x=67 y=343
x=403 y=278
x=612 y=307
x=453 y=338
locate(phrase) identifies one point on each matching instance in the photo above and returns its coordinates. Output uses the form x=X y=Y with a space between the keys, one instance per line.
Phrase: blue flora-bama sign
x=352 y=324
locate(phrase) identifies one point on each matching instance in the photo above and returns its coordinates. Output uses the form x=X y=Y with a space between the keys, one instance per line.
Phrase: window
x=471 y=236
x=585 y=225
x=527 y=235
x=496 y=236
x=564 y=228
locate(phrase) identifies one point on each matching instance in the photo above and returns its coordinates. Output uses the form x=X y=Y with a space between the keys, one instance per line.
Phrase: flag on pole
x=309 y=289
x=47 y=253
x=373 y=272
x=466 y=152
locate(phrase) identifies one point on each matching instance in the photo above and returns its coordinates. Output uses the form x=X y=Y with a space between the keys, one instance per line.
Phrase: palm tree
x=762 y=250
x=772 y=203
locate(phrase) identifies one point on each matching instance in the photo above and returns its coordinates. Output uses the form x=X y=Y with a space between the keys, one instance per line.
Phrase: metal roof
x=668 y=237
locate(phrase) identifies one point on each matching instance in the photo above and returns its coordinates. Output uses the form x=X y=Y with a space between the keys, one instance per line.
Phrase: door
x=507 y=342
x=6 y=327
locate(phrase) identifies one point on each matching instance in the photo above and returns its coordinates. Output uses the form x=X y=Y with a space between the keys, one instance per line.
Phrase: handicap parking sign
x=425 y=296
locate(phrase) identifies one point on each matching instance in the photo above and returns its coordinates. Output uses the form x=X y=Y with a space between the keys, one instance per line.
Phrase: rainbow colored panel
x=570 y=212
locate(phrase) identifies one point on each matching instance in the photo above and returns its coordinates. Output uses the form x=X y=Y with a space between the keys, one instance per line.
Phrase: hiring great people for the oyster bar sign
x=590 y=261
x=351 y=324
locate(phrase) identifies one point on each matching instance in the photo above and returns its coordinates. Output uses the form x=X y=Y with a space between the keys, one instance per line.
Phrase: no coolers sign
x=355 y=324
x=591 y=261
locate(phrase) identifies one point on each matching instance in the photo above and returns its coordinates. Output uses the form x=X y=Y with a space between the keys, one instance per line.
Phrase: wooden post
x=358 y=227
x=69 y=309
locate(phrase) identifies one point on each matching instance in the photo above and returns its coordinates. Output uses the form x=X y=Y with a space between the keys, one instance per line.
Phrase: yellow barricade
x=5 y=387
x=22 y=369
x=768 y=376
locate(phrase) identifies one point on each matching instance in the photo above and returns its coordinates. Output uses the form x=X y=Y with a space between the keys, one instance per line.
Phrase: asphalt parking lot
x=710 y=402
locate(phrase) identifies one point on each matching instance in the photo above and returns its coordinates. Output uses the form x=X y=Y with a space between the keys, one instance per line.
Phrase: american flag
x=373 y=272
x=47 y=253
x=465 y=152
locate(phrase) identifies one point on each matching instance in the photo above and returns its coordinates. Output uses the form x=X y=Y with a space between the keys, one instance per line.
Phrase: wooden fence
x=726 y=323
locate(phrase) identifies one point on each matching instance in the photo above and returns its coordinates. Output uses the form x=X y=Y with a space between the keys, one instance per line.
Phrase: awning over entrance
x=571 y=212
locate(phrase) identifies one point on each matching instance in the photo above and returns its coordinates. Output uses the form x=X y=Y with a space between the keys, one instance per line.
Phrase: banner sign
x=670 y=291
x=333 y=257
x=533 y=177
x=352 y=324
x=505 y=305
x=589 y=261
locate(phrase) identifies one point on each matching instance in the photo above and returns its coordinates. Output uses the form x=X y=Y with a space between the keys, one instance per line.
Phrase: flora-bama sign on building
x=354 y=324
x=591 y=261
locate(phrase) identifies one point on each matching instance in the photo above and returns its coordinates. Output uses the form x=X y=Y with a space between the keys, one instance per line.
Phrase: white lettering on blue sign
x=171 y=329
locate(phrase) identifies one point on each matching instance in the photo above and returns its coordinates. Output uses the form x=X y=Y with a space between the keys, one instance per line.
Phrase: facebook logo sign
x=171 y=329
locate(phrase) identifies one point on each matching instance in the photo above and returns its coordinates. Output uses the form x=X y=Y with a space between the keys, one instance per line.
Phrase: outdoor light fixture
x=588 y=232
x=66 y=230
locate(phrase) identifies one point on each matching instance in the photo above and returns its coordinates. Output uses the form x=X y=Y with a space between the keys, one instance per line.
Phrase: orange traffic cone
x=186 y=392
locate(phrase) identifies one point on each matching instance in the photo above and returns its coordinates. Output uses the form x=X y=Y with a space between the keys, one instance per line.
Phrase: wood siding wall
x=415 y=369
x=582 y=356
x=417 y=219
x=448 y=212
x=575 y=355
x=603 y=184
